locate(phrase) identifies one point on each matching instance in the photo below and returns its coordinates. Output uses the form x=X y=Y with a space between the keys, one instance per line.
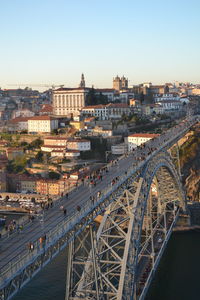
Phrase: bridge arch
x=129 y=242
x=160 y=174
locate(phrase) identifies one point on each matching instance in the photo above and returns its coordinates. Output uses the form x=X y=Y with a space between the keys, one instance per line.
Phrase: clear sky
x=54 y=41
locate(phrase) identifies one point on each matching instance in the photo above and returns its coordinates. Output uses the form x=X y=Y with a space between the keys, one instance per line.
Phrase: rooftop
x=47 y=118
x=78 y=141
x=55 y=138
x=46 y=108
x=19 y=119
x=53 y=146
x=144 y=135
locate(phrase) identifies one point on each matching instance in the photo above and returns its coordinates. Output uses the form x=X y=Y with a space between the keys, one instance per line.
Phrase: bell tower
x=82 y=83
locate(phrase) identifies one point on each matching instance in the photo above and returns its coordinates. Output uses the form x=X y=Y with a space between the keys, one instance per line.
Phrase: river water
x=177 y=277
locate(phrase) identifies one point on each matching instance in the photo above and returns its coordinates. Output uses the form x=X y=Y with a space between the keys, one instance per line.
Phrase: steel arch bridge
x=114 y=244
x=116 y=257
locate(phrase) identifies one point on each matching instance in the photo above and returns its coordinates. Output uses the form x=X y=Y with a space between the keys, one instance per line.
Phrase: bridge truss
x=116 y=255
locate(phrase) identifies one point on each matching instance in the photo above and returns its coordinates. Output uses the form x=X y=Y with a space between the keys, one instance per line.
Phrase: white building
x=71 y=154
x=166 y=97
x=50 y=148
x=171 y=105
x=68 y=101
x=54 y=143
x=42 y=124
x=107 y=112
x=81 y=145
x=97 y=111
x=137 y=139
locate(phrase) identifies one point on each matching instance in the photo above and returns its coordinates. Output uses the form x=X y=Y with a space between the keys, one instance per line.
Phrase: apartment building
x=71 y=154
x=42 y=124
x=79 y=144
x=107 y=112
x=51 y=187
x=54 y=143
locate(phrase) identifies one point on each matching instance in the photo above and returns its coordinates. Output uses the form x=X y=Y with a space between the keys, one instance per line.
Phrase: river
x=177 y=277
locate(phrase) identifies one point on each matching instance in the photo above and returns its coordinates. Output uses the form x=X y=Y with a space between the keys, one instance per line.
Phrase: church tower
x=82 y=83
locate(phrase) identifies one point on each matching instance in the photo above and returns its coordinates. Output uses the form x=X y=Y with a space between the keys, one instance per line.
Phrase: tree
x=36 y=143
x=55 y=131
x=54 y=175
x=17 y=165
x=93 y=98
x=39 y=156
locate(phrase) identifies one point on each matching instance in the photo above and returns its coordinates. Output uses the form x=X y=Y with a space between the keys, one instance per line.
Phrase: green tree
x=36 y=144
x=93 y=98
x=39 y=156
x=54 y=175
x=55 y=131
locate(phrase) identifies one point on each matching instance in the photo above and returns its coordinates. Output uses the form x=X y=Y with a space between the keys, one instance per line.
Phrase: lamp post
x=107 y=153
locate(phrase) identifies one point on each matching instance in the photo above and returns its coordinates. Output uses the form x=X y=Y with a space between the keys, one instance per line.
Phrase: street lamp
x=107 y=153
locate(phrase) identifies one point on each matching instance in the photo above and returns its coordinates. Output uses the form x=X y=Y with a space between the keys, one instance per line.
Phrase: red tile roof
x=46 y=108
x=54 y=146
x=144 y=135
x=117 y=105
x=47 y=118
x=55 y=138
x=94 y=106
x=105 y=90
x=78 y=141
x=19 y=119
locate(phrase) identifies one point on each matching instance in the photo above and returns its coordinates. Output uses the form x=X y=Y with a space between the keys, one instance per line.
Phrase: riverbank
x=186 y=228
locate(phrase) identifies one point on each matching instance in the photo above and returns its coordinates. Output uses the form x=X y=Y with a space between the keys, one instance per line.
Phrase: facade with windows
x=81 y=145
x=107 y=112
x=68 y=101
x=42 y=124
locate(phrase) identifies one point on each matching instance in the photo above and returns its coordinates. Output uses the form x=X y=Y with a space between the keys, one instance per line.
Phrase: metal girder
x=130 y=238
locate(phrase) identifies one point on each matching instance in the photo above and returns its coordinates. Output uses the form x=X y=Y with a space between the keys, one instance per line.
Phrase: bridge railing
x=19 y=262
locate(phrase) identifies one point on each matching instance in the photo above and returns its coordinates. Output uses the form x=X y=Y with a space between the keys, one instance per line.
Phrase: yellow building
x=53 y=187
x=77 y=124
